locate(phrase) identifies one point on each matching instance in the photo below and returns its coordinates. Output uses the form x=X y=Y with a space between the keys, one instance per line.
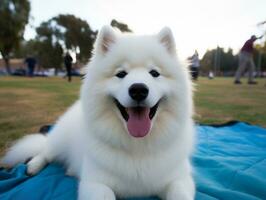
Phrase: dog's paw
x=95 y=191
x=180 y=190
x=70 y=172
x=35 y=165
x=178 y=195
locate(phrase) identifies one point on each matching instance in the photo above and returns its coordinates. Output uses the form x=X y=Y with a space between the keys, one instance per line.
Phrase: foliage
x=207 y=61
x=26 y=48
x=48 y=49
x=226 y=63
x=260 y=56
x=219 y=61
x=14 y=15
x=121 y=26
x=76 y=35
x=58 y=35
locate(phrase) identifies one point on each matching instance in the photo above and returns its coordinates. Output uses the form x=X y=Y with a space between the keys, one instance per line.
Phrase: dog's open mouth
x=138 y=119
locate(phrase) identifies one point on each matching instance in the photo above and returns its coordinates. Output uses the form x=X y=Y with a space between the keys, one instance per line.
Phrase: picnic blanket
x=229 y=163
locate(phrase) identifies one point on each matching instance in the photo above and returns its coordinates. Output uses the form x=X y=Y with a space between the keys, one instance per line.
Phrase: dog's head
x=135 y=83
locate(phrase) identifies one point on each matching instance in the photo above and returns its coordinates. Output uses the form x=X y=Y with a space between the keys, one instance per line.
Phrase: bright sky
x=196 y=24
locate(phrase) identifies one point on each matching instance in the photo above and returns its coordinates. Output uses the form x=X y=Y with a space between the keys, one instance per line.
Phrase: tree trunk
x=7 y=64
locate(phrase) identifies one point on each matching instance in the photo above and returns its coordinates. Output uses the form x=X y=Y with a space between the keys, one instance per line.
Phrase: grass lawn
x=28 y=103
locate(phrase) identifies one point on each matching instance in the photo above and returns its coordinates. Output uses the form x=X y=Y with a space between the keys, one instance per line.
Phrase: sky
x=200 y=25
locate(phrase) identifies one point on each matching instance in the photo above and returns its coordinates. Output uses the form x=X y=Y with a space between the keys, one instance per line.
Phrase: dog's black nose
x=138 y=91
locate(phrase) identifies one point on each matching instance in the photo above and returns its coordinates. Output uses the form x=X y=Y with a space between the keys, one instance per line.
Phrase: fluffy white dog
x=131 y=132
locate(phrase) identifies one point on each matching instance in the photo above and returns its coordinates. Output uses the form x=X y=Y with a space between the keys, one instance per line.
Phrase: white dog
x=131 y=132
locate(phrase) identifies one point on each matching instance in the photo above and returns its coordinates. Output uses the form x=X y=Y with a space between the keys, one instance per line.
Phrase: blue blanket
x=229 y=163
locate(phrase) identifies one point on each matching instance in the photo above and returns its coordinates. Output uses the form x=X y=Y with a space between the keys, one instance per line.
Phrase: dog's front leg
x=89 y=186
x=94 y=191
x=180 y=189
x=36 y=164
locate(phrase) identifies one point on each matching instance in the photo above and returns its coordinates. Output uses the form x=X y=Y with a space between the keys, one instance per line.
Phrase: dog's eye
x=121 y=74
x=154 y=73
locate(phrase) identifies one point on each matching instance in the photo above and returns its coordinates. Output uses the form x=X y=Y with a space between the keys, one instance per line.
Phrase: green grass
x=28 y=103
x=219 y=100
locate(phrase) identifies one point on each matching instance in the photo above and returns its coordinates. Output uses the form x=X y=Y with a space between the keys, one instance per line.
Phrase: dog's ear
x=105 y=39
x=166 y=38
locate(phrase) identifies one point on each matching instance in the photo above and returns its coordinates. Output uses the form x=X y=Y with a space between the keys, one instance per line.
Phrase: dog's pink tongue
x=139 y=123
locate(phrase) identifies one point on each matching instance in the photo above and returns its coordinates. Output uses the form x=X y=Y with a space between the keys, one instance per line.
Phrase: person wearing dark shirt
x=68 y=64
x=31 y=62
x=246 y=61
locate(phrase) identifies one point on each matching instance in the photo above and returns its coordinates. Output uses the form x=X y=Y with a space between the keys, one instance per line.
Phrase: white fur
x=29 y=146
x=91 y=138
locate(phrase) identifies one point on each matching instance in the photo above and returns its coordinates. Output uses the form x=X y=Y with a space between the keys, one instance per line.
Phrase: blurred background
x=44 y=43
x=48 y=29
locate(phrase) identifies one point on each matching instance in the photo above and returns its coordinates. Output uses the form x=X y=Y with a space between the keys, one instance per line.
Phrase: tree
x=229 y=62
x=59 y=34
x=207 y=61
x=47 y=46
x=26 y=48
x=121 y=26
x=260 y=56
x=76 y=35
x=14 y=15
x=219 y=61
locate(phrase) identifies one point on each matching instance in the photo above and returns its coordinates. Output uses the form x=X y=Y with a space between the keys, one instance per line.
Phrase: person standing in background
x=30 y=61
x=195 y=65
x=246 y=61
x=68 y=64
